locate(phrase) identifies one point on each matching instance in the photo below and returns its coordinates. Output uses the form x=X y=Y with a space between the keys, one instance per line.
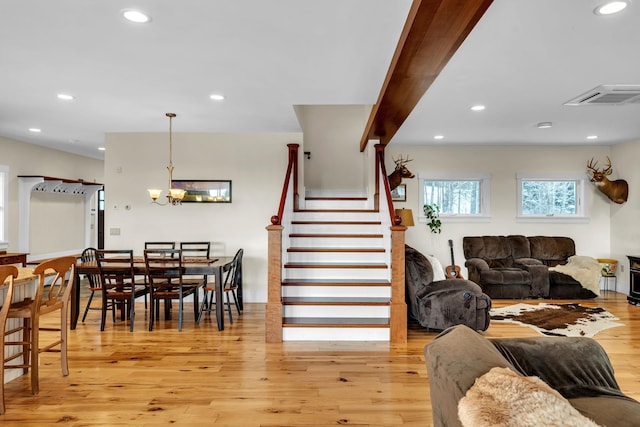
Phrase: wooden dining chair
x=95 y=285
x=119 y=286
x=7 y=273
x=195 y=251
x=232 y=280
x=156 y=245
x=51 y=296
x=164 y=272
x=159 y=245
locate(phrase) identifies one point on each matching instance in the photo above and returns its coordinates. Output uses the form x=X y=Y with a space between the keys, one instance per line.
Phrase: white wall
x=57 y=221
x=332 y=134
x=625 y=218
x=256 y=164
x=503 y=162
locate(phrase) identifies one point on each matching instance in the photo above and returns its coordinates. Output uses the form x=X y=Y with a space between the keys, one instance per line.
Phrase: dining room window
x=4 y=201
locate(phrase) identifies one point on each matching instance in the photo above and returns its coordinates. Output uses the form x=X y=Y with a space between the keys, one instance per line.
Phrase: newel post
x=273 y=315
x=398 y=304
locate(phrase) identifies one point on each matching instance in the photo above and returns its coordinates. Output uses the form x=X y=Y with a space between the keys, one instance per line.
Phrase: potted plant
x=432 y=212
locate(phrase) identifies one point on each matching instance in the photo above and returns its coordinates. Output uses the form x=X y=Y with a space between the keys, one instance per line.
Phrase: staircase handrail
x=381 y=171
x=292 y=168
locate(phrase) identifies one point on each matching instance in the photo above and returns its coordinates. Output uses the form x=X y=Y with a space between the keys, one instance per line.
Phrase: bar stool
x=9 y=272
x=51 y=296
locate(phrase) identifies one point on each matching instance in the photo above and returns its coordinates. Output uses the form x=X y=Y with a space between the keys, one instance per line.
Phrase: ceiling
x=523 y=61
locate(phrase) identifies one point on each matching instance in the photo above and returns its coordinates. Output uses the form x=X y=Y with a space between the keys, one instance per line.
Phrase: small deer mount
x=617 y=190
x=400 y=172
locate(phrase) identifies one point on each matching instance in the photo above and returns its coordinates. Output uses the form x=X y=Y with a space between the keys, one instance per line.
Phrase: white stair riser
x=337 y=228
x=337 y=291
x=311 y=192
x=336 y=242
x=336 y=273
x=335 y=334
x=337 y=257
x=336 y=204
x=335 y=216
x=336 y=311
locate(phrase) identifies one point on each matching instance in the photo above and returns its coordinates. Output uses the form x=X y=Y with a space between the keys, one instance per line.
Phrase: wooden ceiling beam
x=434 y=30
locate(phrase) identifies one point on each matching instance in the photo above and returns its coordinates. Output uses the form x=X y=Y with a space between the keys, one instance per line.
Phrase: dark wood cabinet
x=634 y=280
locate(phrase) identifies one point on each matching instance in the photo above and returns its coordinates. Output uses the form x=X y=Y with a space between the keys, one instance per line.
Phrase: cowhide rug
x=570 y=320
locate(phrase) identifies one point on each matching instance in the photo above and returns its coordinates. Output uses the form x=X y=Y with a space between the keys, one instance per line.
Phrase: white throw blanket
x=584 y=269
x=502 y=398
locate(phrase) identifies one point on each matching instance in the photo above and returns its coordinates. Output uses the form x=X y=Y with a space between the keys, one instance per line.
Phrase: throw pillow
x=438 y=271
x=503 y=398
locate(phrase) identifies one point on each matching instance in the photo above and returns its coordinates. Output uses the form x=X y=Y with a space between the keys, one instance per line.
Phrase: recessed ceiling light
x=478 y=107
x=35 y=130
x=136 y=16
x=65 y=96
x=102 y=149
x=544 y=125
x=216 y=97
x=592 y=137
x=611 y=7
x=438 y=137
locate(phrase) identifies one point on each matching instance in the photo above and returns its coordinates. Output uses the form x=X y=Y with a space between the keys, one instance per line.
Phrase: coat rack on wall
x=46 y=184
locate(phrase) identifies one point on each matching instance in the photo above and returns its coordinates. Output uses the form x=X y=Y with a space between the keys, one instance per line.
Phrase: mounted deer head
x=617 y=190
x=400 y=172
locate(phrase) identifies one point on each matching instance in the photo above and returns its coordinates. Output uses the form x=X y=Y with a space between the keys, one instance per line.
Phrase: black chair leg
x=235 y=300
x=229 y=307
x=86 y=309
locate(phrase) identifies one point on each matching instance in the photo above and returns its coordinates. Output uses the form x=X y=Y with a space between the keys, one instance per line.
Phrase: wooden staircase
x=336 y=265
x=336 y=281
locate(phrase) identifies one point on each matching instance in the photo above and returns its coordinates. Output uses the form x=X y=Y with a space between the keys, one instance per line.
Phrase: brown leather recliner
x=504 y=268
x=518 y=267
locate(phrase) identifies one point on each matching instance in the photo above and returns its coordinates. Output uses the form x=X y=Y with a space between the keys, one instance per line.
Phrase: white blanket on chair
x=584 y=269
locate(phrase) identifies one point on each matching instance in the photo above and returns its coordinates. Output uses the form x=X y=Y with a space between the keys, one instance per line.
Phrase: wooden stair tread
x=335 y=249
x=338 y=210
x=336 y=322
x=335 y=282
x=368 y=301
x=363 y=265
x=336 y=198
x=338 y=235
x=310 y=222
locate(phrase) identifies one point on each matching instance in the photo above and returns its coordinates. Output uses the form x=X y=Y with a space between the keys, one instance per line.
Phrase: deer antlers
x=400 y=161
x=606 y=171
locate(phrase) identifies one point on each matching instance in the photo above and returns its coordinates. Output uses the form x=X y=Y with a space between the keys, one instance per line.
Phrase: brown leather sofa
x=516 y=266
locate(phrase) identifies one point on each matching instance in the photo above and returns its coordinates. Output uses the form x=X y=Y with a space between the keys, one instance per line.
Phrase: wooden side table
x=13 y=258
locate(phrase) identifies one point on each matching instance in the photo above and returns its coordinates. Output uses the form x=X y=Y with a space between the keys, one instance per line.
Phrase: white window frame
x=4 y=204
x=582 y=210
x=485 y=195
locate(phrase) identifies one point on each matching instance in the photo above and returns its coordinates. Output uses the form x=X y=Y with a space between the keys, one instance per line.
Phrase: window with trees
x=558 y=197
x=458 y=196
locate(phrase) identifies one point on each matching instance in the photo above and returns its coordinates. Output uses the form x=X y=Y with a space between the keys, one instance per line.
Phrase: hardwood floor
x=233 y=378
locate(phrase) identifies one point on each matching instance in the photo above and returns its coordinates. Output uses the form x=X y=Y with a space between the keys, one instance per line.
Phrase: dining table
x=191 y=266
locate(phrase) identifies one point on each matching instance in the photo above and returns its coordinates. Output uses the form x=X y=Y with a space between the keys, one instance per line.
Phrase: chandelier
x=174 y=195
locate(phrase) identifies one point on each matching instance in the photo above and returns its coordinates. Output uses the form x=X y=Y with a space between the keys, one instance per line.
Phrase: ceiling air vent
x=608 y=95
